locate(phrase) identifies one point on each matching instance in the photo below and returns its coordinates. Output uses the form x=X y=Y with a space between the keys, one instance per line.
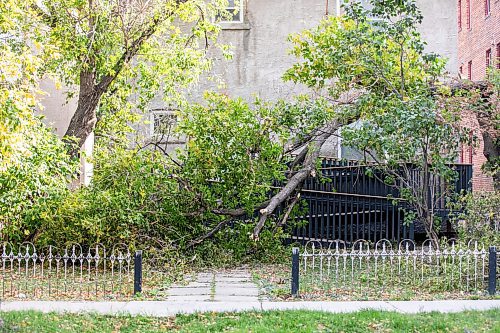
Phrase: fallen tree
x=370 y=79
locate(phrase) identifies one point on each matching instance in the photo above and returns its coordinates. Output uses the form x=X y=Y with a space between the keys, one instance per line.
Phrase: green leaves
x=371 y=66
x=231 y=154
x=30 y=189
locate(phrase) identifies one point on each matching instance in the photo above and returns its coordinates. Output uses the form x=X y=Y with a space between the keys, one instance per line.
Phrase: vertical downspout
x=326 y=11
x=470 y=149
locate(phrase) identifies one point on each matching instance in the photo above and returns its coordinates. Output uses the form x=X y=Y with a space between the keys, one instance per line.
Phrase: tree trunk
x=85 y=118
x=491 y=151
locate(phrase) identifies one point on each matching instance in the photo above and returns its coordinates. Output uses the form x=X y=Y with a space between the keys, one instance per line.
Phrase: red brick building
x=478 y=48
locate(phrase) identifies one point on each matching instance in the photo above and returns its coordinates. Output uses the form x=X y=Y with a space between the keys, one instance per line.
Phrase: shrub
x=480 y=219
x=33 y=187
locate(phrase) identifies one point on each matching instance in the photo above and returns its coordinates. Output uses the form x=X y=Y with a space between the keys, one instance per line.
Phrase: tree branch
x=297 y=179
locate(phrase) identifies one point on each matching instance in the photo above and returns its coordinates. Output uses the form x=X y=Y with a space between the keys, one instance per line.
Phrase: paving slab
x=232 y=291
x=193 y=285
x=235 y=285
x=189 y=291
x=232 y=279
x=236 y=298
x=189 y=298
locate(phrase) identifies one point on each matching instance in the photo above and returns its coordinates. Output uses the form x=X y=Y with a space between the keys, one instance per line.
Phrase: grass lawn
x=273 y=321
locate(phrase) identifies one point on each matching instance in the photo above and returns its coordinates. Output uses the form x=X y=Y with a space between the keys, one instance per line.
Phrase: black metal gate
x=348 y=204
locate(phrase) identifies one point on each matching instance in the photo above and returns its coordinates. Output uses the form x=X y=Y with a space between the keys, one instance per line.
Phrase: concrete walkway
x=229 y=286
x=171 y=308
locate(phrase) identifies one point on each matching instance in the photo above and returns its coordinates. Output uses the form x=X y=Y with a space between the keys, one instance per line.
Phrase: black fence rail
x=350 y=202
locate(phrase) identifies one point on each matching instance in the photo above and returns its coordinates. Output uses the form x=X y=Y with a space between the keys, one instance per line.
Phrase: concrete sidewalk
x=171 y=308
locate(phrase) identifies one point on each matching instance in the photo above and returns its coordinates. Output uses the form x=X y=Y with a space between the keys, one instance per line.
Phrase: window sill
x=234 y=26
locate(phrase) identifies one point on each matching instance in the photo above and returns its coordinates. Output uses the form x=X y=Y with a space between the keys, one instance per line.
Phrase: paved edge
x=166 y=308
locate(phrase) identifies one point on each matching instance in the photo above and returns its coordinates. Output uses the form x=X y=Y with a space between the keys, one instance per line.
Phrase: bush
x=145 y=198
x=480 y=219
x=33 y=187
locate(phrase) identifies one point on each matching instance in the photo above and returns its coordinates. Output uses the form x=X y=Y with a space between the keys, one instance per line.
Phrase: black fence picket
x=350 y=202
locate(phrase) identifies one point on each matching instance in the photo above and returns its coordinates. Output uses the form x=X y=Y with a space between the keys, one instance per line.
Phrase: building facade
x=258 y=34
x=478 y=24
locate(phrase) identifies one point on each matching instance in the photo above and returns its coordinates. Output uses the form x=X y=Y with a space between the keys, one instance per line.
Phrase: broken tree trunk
x=308 y=169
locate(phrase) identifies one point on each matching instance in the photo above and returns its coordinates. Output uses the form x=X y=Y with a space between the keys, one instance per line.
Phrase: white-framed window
x=235 y=8
x=163 y=123
x=235 y=13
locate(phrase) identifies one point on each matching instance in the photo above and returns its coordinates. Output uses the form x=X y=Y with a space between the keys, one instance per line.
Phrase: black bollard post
x=295 y=271
x=138 y=272
x=492 y=277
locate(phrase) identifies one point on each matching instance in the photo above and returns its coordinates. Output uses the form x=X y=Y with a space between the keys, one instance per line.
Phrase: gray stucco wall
x=439 y=30
x=261 y=48
x=261 y=51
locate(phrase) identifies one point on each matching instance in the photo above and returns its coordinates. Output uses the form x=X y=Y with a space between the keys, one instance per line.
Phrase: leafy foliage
x=116 y=55
x=479 y=218
x=161 y=201
x=20 y=71
x=371 y=65
x=32 y=188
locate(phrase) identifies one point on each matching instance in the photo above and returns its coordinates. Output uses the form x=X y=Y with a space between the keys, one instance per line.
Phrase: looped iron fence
x=71 y=272
x=385 y=269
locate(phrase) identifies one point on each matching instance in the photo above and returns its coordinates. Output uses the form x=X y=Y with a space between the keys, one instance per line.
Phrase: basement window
x=235 y=10
x=234 y=18
x=163 y=127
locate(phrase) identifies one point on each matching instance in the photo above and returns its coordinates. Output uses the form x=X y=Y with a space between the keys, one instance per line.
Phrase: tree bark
x=85 y=117
x=298 y=178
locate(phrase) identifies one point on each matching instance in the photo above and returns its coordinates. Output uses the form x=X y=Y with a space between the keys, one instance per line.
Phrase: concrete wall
x=261 y=50
x=439 y=29
x=57 y=109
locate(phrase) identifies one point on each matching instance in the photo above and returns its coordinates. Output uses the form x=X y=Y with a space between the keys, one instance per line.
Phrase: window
x=459 y=15
x=498 y=55
x=469 y=70
x=468 y=14
x=163 y=125
x=488 y=58
x=487 y=7
x=235 y=9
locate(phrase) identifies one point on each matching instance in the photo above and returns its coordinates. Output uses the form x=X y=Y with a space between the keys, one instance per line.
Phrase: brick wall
x=484 y=34
x=474 y=155
x=473 y=43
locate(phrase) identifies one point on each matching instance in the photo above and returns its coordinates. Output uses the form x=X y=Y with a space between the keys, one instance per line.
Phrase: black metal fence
x=350 y=203
x=387 y=270
x=72 y=272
